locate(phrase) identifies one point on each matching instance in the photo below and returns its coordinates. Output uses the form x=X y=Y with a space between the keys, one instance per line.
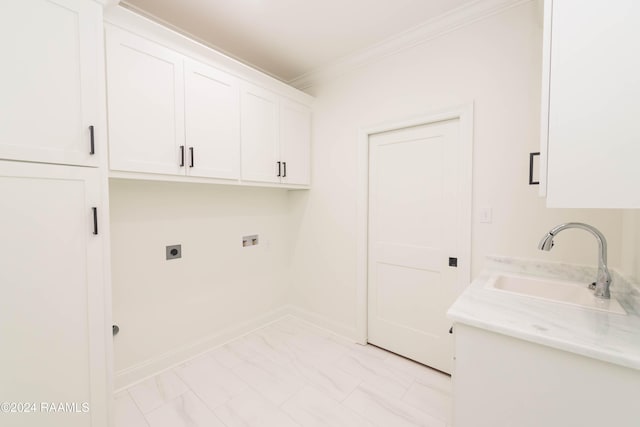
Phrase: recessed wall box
x=250 y=240
x=174 y=251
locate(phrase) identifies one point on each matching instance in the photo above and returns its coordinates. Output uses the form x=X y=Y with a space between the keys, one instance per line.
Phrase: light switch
x=485 y=215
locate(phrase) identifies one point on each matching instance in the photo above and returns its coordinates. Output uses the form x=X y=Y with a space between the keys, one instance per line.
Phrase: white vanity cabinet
x=276 y=138
x=500 y=381
x=590 y=128
x=49 y=85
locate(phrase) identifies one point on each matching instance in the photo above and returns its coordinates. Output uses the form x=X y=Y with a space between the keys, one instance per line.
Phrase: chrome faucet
x=603 y=279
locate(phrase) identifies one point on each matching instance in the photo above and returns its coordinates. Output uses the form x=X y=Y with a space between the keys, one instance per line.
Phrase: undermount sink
x=553 y=290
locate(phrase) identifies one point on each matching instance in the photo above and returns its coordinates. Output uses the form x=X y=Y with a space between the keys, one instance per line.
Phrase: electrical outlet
x=250 y=240
x=174 y=252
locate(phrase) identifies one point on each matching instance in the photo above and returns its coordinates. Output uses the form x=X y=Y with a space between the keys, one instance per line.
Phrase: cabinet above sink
x=590 y=133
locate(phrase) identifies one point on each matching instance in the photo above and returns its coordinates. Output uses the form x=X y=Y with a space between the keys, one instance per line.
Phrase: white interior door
x=145 y=88
x=52 y=327
x=49 y=80
x=414 y=226
x=212 y=120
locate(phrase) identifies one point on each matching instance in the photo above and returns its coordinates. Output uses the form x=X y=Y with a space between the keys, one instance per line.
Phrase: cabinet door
x=52 y=325
x=295 y=142
x=49 y=80
x=594 y=132
x=145 y=104
x=259 y=133
x=212 y=121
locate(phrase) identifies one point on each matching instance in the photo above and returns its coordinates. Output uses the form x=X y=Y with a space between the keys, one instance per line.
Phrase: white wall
x=630 y=263
x=168 y=310
x=494 y=63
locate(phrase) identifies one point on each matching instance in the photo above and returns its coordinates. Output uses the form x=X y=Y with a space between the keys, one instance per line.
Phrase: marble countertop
x=600 y=335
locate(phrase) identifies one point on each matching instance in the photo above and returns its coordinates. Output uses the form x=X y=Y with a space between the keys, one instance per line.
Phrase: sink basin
x=559 y=291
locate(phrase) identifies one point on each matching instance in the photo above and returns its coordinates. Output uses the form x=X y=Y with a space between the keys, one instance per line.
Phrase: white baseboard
x=323 y=322
x=128 y=377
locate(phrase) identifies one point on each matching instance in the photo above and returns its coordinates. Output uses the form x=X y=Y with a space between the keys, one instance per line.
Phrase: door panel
x=295 y=142
x=145 y=104
x=49 y=80
x=413 y=217
x=52 y=308
x=395 y=282
x=593 y=109
x=212 y=120
x=259 y=130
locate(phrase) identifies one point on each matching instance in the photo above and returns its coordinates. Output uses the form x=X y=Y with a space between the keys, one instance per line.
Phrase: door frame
x=464 y=113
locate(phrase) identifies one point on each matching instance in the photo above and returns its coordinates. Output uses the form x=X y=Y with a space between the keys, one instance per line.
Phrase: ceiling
x=288 y=38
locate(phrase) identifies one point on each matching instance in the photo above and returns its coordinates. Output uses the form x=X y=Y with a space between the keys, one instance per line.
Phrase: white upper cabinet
x=295 y=138
x=590 y=128
x=212 y=120
x=276 y=136
x=260 y=133
x=49 y=88
x=188 y=113
x=145 y=94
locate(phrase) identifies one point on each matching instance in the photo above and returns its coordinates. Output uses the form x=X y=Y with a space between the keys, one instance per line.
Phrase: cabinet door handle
x=284 y=164
x=191 y=151
x=95 y=220
x=531 y=157
x=92 y=149
x=279 y=169
x=182 y=156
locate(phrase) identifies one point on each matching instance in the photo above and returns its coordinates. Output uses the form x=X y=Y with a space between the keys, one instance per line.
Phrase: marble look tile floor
x=290 y=373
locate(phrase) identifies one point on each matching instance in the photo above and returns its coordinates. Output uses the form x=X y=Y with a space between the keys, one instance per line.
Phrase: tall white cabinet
x=590 y=128
x=54 y=327
x=52 y=324
x=50 y=80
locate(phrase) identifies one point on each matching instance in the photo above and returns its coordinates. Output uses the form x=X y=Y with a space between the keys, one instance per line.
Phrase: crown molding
x=151 y=17
x=108 y=3
x=429 y=30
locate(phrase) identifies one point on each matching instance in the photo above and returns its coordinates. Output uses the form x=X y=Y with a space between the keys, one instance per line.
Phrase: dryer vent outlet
x=174 y=251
